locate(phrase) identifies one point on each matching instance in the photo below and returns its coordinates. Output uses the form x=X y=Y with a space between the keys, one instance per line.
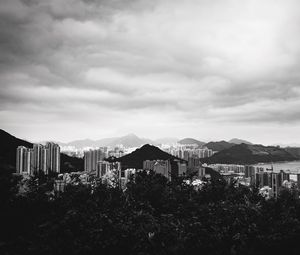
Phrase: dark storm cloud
x=195 y=61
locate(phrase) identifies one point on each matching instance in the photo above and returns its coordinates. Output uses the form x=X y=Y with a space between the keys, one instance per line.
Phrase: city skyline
x=211 y=70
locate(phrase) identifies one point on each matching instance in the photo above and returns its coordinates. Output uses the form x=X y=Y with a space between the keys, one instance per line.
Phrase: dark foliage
x=153 y=216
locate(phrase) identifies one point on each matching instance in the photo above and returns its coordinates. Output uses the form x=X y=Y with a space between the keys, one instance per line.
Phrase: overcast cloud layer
x=209 y=69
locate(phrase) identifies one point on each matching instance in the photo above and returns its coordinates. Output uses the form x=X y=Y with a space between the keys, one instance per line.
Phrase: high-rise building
x=250 y=172
x=44 y=161
x=128 y=173
x=194 y=163
x=53 y=157
x=110 y=173
x=162 y=167
x=201 y=172
x=272 y=180
x=24 y=160
x=21 y=159
x=91 y=158
x=263 y=179
x=148 y=164
x=275 y=184
x=38 y=159
x=298 y=181
x=103 y=167
x=182 y=168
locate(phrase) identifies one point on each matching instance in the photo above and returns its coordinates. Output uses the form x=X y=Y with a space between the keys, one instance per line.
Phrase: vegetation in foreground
x=153 y=216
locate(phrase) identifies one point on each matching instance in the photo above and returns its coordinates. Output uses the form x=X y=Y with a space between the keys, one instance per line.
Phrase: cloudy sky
x=209 y=69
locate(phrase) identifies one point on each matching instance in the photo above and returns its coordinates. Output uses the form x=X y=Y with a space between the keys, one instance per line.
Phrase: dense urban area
x=167 y=199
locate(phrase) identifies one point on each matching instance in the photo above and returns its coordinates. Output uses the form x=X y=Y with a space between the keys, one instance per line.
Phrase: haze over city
x=210 y=70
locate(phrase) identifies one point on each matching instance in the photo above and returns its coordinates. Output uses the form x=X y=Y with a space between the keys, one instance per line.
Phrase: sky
x=208 y=69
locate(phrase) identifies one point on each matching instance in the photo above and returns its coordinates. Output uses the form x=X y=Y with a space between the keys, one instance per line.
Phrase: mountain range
x=132 y=140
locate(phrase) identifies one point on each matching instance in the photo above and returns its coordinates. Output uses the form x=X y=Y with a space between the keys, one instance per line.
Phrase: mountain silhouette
x=250 y=154
x=219 y=146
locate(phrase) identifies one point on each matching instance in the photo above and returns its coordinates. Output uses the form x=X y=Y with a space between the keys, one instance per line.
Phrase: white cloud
x=180 y=68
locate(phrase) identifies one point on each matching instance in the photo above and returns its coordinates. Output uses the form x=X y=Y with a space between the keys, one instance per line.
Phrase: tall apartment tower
x=91 y=158
x=37 y=157
x=24 y=161
x=53 y=157
x=21 y=159
x=44 y=160
x=162 y=167
x=103 y=167
x=30 y=165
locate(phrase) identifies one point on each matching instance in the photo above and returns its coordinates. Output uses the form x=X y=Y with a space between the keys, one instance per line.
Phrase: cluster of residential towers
x=40 y=158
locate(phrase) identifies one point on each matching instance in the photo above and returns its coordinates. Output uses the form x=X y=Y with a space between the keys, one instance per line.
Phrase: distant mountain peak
x=191 y=141
x=239 y=141
x=131 y=135
x=129 y=140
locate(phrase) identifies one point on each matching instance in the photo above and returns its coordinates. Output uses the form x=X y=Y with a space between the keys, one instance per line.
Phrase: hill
x=191 y=141
x=238 y=141
x=219 y=146
x=70 y=164
x=147 y=152
x=250 y=154
x=8 y=147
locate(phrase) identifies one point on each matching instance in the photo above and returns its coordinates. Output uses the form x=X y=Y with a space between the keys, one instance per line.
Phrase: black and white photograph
x=149 y=127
